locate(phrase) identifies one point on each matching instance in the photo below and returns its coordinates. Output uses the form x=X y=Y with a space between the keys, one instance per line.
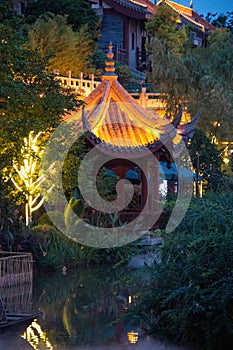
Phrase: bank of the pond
x=91 y=309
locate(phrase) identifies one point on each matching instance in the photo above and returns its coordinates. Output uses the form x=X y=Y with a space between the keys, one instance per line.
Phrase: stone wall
x=112 y=30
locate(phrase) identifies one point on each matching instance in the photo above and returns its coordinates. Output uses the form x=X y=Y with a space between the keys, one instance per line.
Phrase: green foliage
x=31 y=100
x=30 y=97
x=199 y=78
x=55 y=250
x=163 y=26
x=98 y=59
x=79 y=12
x=216 y=84
x=190 y=294
x=231 y=162
x=208 y=158
x=221 y=20
x=51 y=217
x=123 y=72
x=68 y=50
x=71 y=165
x=73 y=210
x=166 y=45
x=52 y=250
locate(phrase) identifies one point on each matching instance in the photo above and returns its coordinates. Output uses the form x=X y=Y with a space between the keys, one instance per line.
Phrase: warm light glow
x=126 y=135
x=226 y=154
x=177 y=139
x=25 y=177
x=226 y=160
x=216 y=123
x=132 y=337
x=130 y=299
x=36 y=337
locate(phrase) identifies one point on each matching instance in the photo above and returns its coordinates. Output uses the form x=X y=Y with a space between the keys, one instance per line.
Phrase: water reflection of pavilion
x=86 y=308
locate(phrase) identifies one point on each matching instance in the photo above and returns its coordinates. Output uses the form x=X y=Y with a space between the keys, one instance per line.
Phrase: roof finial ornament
x=191 y=4
x=110 y=64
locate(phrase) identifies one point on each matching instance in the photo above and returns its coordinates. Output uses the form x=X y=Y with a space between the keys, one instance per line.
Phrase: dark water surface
x=83 y=310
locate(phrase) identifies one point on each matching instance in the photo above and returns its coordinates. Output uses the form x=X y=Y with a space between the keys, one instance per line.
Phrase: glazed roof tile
x=117 y=121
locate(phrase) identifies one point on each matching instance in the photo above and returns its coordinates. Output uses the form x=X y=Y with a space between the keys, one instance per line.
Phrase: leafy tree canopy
x=221 y=20
x=200 y=78
x=30 y=98
x=68 y=50
x=206 y=159
x=211 y=84
x=163 y=28
x=78 y=13
x=166 y=46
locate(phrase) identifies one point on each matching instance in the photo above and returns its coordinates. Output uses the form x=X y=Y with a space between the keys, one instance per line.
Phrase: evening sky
x=212 y=6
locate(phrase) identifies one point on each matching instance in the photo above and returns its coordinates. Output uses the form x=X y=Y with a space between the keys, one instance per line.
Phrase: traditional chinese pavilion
x=126 y=131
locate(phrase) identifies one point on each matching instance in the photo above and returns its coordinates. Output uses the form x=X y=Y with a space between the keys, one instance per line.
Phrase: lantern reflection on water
x=36 y=337
x=132 y=337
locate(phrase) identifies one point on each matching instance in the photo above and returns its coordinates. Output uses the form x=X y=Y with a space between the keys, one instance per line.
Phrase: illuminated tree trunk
x=26 y=179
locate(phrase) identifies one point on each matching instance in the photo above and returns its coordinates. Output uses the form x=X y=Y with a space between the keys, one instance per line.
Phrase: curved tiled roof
x=187 y=13
x=143 y=6
x=116 y=120
x=135 y=9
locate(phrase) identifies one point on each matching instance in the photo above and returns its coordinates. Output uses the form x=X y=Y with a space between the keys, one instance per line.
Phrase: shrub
x=52 y=250
x=190 y=296
x=46 y=219
x=56 y=248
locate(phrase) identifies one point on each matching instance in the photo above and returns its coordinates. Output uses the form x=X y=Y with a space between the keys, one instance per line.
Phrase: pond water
x=87 y=309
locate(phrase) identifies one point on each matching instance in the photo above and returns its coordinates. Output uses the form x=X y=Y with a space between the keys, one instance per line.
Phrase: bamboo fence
x=15 y=268
x=17 y=298
x=16 y=277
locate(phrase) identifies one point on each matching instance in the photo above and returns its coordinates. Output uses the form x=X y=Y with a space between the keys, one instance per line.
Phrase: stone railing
x=150 y=100
x=82 y=86
x=85 y=86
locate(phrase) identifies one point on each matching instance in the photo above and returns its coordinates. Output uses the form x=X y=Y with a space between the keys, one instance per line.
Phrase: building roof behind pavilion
x=132 y=8
x=143 y=9
x=189 y=15
x=116 y=120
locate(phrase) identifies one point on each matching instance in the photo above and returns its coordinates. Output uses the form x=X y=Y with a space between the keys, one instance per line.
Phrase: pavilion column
x=120 y=171
x=155 y=186
x=144 y=178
